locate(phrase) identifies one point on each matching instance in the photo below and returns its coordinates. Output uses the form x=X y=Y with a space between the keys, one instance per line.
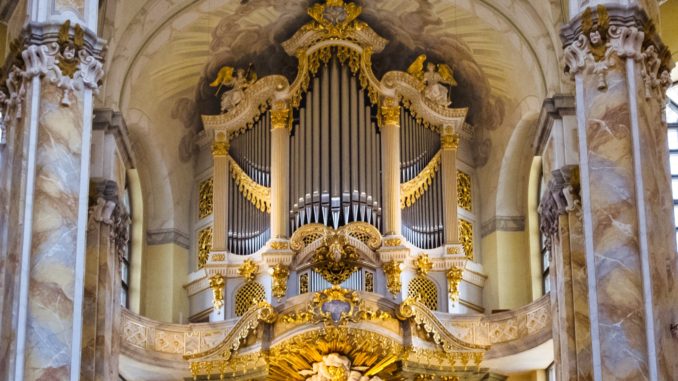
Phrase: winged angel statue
x=238 y=83
x=336 y=367
x=434 y=78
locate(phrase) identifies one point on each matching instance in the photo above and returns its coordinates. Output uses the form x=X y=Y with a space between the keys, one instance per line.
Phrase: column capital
x=220 y=148
x=449 y=141
x=281 y=117
x=389 y=112
x=599 y=39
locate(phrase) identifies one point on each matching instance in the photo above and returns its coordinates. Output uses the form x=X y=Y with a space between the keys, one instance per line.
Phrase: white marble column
x=390 y=148
x=629 y=239
x=58 y=78
x=449 y=142
x=220 y=192
x=280 y=159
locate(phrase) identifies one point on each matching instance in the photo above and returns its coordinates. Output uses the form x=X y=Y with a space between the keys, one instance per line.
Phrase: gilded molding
x=595 y=42
x=204 y=246
x=248 y=270
x=392 y=242
x=392 y=272
x=257 y=194
x=449 y=141
x=389 y=113
x=361 y=231
x=412 y=190
x=217 y=284
x=454 y=277
x=220 y=149
x=281 y=118
x=279 y=275
x=466 y=237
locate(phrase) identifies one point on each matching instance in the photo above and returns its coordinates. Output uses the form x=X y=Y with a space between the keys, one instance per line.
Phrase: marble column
x=620 y=69
x=390 y=148
x=449 y=142
x=60 y=68
x=220 y=192
x=280 y=159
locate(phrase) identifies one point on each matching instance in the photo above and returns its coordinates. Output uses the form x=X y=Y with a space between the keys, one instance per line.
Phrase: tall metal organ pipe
x=336 y=163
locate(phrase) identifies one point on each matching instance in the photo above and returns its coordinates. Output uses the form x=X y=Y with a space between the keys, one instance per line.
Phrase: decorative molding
x=561 y=197
x=552 y=109
x=163 y=236
x=503 y=223
x=595 y=42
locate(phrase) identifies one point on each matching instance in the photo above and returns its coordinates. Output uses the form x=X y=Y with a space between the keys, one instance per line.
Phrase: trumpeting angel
x=238 y=83
x=435 y=78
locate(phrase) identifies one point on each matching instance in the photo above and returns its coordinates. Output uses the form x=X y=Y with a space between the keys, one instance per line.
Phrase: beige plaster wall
x=164 y=297
x=537 y=375
x=506 y=258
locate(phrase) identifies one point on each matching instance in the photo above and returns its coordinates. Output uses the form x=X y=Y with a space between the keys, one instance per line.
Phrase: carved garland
x=412 y=190
x=257 y=194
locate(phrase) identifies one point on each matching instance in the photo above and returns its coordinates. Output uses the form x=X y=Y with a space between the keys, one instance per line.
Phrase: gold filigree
x=412 y=190
x=281 y=118
x=449 y=141
x=364 y=232
x=248 y=270
x=336 y=259
x=306 y=235
x=464 y=199
x=423 y=290
x=423 y=264
x=369 y=281
x=392 y=271
x=454 y=277
x=466 y=237
x=334 y=18
x=250 y=294
x=218 y=257
x=205 y=192
x=220 y=149
x=303 y=283
x=217 y=285
x=335 y=306
x=257 y=194
x=392 y=242
x=204 y=245
x=279 y=274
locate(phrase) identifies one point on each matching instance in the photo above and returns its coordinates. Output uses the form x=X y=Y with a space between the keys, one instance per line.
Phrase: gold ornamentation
x=303 y=283
x=334 y=18
x=306 y=235
x=248 y=270
x=336 y=259
x=218 y=257
x=464 y=191
x=334 y=306
x=362 y=231
x=369 y=281
x=220 y=149
x=449 y=141
x=257 y=194
x=597 y=35
x=279 y=245
x=412 y=190
x=454 y=277
x=433 y=79
x=250 y=294
x=392 y=271
x=281 y=118
x=206 y=190
x=392 y=242
x=204 y=246
x=454 y=250
x=217 y=285
x=237 y=84
x=279 y=274
x=423 y=264
x=423 y=290
x=466 y=237
x=389 y=113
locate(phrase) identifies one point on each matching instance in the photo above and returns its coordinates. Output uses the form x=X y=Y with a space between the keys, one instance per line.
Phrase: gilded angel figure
x=238 y=83
x=436 y=78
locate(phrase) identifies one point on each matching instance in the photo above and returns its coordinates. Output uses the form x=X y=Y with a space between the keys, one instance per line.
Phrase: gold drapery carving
x=412 y=190
x=466 y=237
x=464 y=199
x=204 y=245
x=257 y=194
x=206 y=190
x=217 y=285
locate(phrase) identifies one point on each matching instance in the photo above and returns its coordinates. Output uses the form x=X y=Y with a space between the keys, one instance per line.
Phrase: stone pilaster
x=620 y=68
x=448 y=175
x=59 y=68
x=390 y=148
x=220 y=192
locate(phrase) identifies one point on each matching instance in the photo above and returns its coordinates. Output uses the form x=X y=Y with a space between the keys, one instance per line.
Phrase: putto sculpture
x=237 y=83
x=435 y=78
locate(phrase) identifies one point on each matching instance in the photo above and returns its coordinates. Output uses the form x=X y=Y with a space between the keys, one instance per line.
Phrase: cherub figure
x=436 y=78
x=238 y=83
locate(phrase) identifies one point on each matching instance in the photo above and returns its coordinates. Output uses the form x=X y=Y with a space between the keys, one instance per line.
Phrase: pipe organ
x=335 y=158
x=337 y=178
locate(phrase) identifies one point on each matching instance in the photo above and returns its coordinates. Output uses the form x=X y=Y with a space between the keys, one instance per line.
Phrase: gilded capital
x=220 y=149
x=389 y=113
x=281 y=118
x=449 y=141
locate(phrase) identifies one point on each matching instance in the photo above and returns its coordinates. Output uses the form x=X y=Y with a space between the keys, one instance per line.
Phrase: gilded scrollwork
x=205 y=192
x=423 y=264
x=464 y=198
x=279 y=275
x=248 y=270
x=204 y=245
x=336 y=259
x=392 y=272
x=466 y=237
x=412 y=190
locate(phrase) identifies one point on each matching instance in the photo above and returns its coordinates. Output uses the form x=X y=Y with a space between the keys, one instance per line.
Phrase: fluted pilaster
x=220 y=193
x=448 y=175
x=390 y=148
